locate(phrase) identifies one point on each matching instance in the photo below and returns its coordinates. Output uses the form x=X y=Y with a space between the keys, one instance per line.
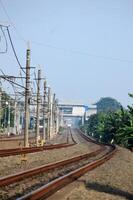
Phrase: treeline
x=112 y=126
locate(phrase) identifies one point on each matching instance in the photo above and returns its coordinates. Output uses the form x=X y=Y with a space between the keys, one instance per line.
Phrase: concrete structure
x=91 y=111
x=74 y=114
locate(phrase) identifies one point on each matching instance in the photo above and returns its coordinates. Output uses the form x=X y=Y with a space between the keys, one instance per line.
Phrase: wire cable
x=6 y=47
x=15 y=54
x=7 y=79
x=10 y=20
x=78 y=52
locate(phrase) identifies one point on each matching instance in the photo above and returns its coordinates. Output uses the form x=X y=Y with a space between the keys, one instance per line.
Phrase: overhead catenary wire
x=12 y=45
x=15 y=53
x=6 y=44
x=82 y=53
x=9 y=35
x=13 y=48
x=11 y=22
x=18 y=33
x=14 y=88
x=10 y=81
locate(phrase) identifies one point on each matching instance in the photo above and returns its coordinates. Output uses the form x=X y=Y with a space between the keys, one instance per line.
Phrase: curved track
x=19 y=151
x=26 y=150
x=45 y=168
x=106 y=152
x=48 y=189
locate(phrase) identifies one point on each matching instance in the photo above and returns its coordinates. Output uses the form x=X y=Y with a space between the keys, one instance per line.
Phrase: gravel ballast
x=13 y=164
x=111 y=181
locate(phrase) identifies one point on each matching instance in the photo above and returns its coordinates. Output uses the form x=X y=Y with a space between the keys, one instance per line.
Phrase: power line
x=10 y=20
x=71 y=51
x=15 y=54
x=10 y=81
x=5 y=51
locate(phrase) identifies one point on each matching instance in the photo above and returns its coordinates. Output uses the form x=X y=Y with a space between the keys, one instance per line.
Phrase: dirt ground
x=111 y=181
x=13 y=164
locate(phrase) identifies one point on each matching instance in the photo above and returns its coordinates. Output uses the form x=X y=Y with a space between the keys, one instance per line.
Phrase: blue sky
x=84 y=47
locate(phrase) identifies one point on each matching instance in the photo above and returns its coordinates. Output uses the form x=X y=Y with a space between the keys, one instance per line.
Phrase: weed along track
x=43 y=181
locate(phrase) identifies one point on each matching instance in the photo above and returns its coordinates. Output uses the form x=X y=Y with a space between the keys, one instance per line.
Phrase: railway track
x=45 y=168
x=19 y=151
x=70 y=138
x=73 y=170
x=26 y=150
x=10 y=139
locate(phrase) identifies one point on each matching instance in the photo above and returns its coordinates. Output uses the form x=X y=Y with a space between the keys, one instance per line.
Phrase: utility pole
x=27 y=98
x=0 y=96
x=44 y=111
x=0 y=104
x=54 y=113
x=38 y=107
x=15 y=116
x=49 y=113
x=8 y=122
x=56 y=116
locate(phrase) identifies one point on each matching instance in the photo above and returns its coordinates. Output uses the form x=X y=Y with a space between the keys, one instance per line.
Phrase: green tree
x=117 y=126
x=107 y=104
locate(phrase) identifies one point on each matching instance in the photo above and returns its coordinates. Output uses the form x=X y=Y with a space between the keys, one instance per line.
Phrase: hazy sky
x=85 y=47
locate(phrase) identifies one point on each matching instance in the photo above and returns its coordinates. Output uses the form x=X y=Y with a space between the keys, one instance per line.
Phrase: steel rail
x=48 y=189
x=29 y=148
x=73 y=140
x=4 y=181
x=67 y=139
x=9 y=139
x=19 y=151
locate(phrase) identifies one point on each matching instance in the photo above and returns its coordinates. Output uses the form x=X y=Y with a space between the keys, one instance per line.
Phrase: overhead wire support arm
x=5 y=26
x=11 y=77
x=28 y=67
x=9 y=80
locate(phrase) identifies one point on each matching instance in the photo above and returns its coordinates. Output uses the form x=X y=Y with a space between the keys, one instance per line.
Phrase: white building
x=74 y=114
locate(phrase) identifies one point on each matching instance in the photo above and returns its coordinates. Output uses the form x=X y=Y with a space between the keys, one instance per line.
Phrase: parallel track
x=4 y=181
x=11 y=139
x=26 y=150
x=19 y=151
x=48 y=189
